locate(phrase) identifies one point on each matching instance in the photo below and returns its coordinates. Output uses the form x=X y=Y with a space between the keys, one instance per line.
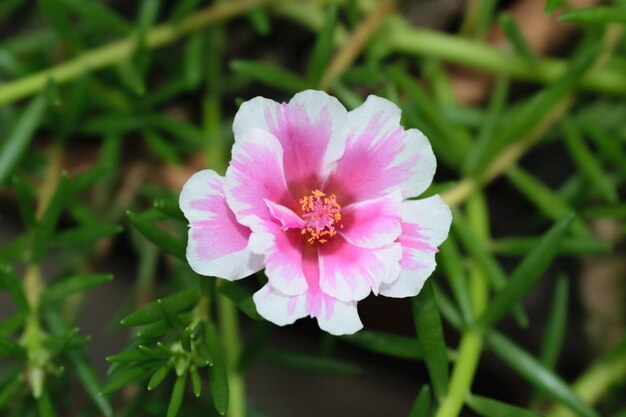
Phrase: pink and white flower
x=319 y=197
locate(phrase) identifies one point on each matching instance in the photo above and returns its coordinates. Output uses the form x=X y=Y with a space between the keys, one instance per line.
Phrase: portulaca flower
x=318 y=196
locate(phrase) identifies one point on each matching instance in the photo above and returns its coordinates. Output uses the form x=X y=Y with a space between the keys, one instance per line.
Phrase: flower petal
x=308 y=128
x=279 y=308
x=432 y=215
x=339 y=318
x=283 y=257
x=334 y=316
x=252 y=114
x=287 y=218
x=256 y=174
x=425 y=225
x=218 y=244
x=380 y=156
x=349 y=273
x=372 y=223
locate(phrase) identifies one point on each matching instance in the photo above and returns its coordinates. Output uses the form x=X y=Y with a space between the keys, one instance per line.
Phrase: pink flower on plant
x=318 y=196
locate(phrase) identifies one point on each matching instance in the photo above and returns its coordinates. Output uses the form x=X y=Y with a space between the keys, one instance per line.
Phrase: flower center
x=322 y=214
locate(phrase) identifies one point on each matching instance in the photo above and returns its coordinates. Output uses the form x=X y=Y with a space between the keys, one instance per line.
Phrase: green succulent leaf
x=44 y=230
x=151 y=312
x=75 y=284
x=10 y=348
x=386 y=344
x=556 y=326
x=594 y=15
x=15 y=144
x=176 y=399
x=270 y=74
x=514 y=35
x=11 y=283
x=527 y=273
x=125 y=376
x=162 y=239
x=488 y=407
x=218 y=377
x=538 y=375
x=431 y=338
x=241 y=297
x=309 y=363
x=323 y=48
x=159 y=376
x=421 y=406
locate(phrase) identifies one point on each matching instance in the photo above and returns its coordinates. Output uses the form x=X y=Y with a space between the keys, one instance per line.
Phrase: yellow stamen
x=322 y=213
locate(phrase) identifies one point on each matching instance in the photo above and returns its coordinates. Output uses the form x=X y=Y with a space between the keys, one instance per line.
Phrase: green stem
x=475 y=54
x=32 y=330
x=231 y=341
x=471 y=343
x=117 y=51
x=463 y=374
x=468 y=353
x=33 y=334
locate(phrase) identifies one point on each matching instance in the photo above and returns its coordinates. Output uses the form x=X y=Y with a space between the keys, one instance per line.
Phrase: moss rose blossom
x=319 y=197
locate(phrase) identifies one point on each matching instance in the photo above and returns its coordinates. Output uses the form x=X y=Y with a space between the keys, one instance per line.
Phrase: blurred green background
x=107 y=107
